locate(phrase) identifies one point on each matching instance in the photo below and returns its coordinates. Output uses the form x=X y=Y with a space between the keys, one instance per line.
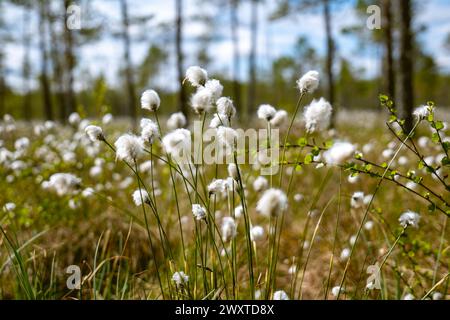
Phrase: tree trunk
x=128 y=65
x=69 y=63
x=236 y=62
x=26 y=67
x=45 y=86
x=329 y=57
x=406 y=63
x=57 y=69
x=252 y=60
x=182 y=105
x=389 y=76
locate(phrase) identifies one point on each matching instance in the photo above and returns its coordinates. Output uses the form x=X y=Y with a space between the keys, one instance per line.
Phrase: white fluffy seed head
x=217 y=186
x=409 y=218
x=176 y=120
x=198 y=211
x=74 y=118
x=140 y=196
x=280 y=295
x=149 y=131
x=228 y=229
x=257 y=233
x=357 y=200
x=219 y=120
x=309 y=82
x=225 y=107
x=129 y=147
x=215 y=87
x=227 y=137
x=202 y=100
x=180 y=279
x=421 y=112
x=232 y=171
x=272 y=203
x=150 y=100
x=177 y=141
x=317 y=115
x=260 y=184
x=279 y=119
x=107 y=118
x=336 y=290
x=94 y=133
x=196 y=76
x=338 y=153
x=266 y=112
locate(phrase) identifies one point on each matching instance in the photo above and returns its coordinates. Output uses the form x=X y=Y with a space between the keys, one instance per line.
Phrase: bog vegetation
x=357 y=211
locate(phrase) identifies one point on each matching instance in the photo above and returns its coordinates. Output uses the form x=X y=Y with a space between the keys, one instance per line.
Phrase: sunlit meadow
x=355 y=209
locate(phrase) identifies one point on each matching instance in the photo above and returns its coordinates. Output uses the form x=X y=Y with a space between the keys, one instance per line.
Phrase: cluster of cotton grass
x=221 y=218
x=221 y=232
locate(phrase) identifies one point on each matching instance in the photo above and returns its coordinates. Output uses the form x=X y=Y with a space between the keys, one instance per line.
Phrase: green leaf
x=445 y=161
x=298 y=168
x=392 y=118
x=328 y=144
x=308 y=158
x=315 y=151
x=446 y=146
x=438 y=125
x=383 y=98
x=435 y=137
x=302 y=142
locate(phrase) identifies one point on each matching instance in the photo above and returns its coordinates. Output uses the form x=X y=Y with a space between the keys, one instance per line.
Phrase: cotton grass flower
x=217 y=186
x=232 y=171
x=357 y=200
x=196 y=76
x=198 y=211
x=180 y=279
x=176 y=120
x=74 y=118
x=336 y=290
x=129 y=147
x=9 y=207
x=140 y=196
x=176 y=141
x=225 y=107
x=257 y=233
x=219 y=120
x=228 y=229
x=260 y=184
x=309 y=82
x=279 y=119
x=409 y=218
x=215 y=87
x=202 y=100
x=227 y=137
x=107 y=118
x=409 y=296
x=238 y=211
x=317 y=115
x=150 y=130
x=150 y=100
x=280 y=295
x=94 y=133
x=63 y=183
x=345 y=254
x=339 y=153
x=421 y=112
x=266 y=112
x=272 y=203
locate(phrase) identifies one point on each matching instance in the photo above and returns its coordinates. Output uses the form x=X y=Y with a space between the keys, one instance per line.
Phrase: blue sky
x=274 y=39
